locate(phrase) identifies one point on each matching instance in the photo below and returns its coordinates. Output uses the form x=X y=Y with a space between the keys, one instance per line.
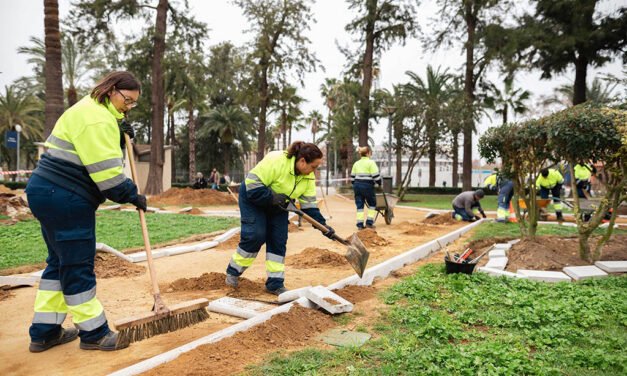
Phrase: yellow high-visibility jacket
x=365 y=170
x=551 y=180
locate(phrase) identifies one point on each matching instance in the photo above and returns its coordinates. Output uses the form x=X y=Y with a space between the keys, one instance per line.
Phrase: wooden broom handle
x=142 y=220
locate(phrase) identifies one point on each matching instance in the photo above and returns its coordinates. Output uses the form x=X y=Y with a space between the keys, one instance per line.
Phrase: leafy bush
x=14 y=184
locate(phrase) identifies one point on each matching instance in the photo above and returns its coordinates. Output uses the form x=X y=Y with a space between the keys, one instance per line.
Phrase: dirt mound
x=414 y=229
x=356 y=294
x=109 y=266
x=216 y=281
x=370 y=238
x=231 y=355
x=316 y=258
x=14 y=207
x=231 y=244
x=440 y=219
x=5 y=294
x=195 y=211
x=293 y=228
x=554 y=253
x=188 y=196
x=5 y=189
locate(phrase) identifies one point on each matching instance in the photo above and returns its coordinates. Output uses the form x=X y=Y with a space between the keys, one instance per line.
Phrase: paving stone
x=18 y=281
x=293 y=294
x=612 y=266
x=328 y=300
x=544 y=275
x=494 y=253
x=584 y=272
x=504 y=246
x=238 y=307
x=344 y=338
x=512 y=242
x=497 y=263
x=500 y=273
x=185 y=209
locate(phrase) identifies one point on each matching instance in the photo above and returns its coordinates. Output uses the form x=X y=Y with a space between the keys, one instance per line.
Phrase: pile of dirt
x=231 y=244
x=293 y=228
x=554 y=253
x=231 y=355
x=5 y=294
x=109 y=266
x=195 y=211
x=5 y=189
x=14 y=207
x=216 y=281
x=440 y=219
x=370 y=238
x=356 y=294
x=413 y=229
x=188 y=196
x=316 y=258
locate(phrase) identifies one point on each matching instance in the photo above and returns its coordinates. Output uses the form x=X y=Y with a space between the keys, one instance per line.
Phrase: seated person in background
x=200 y=182
x=466 y=206
x=214 y=179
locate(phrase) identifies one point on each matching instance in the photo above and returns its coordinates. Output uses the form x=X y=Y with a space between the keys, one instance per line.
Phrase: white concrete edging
x=102 y=247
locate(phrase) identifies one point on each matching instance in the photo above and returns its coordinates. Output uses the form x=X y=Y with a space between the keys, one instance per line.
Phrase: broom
x=161 y=319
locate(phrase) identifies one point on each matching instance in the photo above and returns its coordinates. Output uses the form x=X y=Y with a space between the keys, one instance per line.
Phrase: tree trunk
x=263 y=112
x=154 y=185
x=432 y=152
x=172 y=140
x=284 y=128
x=227 y=159
x=455 y=159
x=289 y=135
x=398 y=134
x=364 y=96
x=505 y=114
x=579 y=89
x=469 y=91
x=72 y=96
x=52 y=70
x=191 y=126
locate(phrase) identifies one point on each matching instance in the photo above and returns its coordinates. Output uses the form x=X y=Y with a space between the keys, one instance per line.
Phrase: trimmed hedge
x=426 y=190
x=14 y=184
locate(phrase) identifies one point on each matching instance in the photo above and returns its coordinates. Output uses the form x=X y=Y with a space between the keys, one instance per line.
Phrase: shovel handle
x=319 y=226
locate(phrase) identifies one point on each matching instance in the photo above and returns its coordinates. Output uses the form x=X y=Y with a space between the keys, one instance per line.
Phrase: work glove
x=140 y=202
x=280 y=200
x=330 y=232
x=477 y=218
x=127 y=128
x=483 y=214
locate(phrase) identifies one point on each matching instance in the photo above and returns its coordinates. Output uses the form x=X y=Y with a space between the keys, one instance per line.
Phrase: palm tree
x=288 y=105
x=53 y=69
x=315 y=119
x=501 y=100
x=599 y=93
x=230 y=123
x=431 y=93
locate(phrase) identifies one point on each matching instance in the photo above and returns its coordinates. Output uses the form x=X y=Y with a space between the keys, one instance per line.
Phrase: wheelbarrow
x=542 y=204
x=385 y=206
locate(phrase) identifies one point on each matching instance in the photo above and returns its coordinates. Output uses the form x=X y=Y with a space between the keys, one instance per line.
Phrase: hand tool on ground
x=476 y=259
x=356 y=253
x=464 y=255
x=161 y=319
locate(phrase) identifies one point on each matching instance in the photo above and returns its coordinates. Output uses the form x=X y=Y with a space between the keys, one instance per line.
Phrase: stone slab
x=110 y=207
x=18 y=281
x=544 y=275
x=185 y=209
x=500 y=273
x=504 y=246
x=612 y=266
x=495 y=253
x=497 y=263
x=584 y=272
x=328 y=300
x=512 y=242
x=245 y=309
x=431 y=214
x=293 y=294
x=344 y=338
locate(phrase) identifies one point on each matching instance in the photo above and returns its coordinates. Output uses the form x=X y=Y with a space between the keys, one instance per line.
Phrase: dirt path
x=127 y=296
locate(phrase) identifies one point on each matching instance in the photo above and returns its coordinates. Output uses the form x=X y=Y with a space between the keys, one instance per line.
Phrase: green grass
x=492 y=229
x=443 y=202
x=442 y=324
x=22 y=243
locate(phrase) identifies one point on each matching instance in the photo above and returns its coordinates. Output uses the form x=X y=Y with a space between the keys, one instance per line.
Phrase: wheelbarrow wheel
x=389 y=214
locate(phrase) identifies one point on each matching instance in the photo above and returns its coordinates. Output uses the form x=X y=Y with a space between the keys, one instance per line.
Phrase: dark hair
x=544 y=172
x=479 y=193
x=120 y=80
x=307 y=150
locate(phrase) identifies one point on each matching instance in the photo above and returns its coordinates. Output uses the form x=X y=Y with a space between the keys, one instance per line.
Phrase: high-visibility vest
x=490 y=182
x=276 y=171
x=582 y=172
x=365 y=170
x=551 y=180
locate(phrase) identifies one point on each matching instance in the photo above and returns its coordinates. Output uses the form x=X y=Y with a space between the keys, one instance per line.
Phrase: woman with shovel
x=80 y=169
x=280 y=177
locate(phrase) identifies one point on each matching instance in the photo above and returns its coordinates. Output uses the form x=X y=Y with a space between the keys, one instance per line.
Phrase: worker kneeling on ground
x=81 y=168
x=364 y=175
x=551 y=181
x=505 y=188
x=466 y=206
x=280 y=177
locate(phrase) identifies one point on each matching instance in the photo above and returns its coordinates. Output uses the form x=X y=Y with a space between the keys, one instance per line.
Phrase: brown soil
x=109 y=266
x=477 y=245
x=195 y=211
x=180 y=196
x=356 y=294
x=331 y=301
x=370 y=238
x=440 y=219
x=410 y=228
x=5 y=294
x=316 y=258
x=23 y=269
x=5 y=189
x=287 y=330
x=554 y=253
x=216 y=281
x=14 y=207
x=230 y=244
x=293 y=228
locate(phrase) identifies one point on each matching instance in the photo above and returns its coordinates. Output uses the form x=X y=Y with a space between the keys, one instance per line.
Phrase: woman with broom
x=280 y=177
x=80 y=169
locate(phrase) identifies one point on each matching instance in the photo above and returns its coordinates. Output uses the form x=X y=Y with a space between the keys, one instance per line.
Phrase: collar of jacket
x=117 y=114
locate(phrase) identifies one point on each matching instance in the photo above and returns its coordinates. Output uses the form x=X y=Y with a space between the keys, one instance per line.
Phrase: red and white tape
x=19 y=172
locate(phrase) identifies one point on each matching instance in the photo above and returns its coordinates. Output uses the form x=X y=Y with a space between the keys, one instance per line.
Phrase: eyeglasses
x=130 y=102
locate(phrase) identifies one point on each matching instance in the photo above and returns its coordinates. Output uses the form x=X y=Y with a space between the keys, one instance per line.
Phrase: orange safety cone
x=512 y=214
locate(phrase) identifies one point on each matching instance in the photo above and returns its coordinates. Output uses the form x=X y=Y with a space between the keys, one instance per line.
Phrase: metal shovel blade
x=357 y=255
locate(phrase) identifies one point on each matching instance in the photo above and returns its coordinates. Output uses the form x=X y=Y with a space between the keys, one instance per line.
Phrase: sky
x=19 y=20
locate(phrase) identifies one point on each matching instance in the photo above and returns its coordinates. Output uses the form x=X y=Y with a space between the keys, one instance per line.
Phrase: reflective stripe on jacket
x=365 y=170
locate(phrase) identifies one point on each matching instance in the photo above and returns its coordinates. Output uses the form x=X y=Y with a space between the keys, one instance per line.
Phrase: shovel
x=356 y=253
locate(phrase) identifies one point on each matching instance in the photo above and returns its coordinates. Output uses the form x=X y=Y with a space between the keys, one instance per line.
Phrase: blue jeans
x=261 y=225
x=506 y=192
x=364 y=193
x=465 y=216
x=68 y=226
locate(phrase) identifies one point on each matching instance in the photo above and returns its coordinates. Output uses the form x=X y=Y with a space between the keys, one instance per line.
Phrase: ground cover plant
x=442 y=324
x=22 y=244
